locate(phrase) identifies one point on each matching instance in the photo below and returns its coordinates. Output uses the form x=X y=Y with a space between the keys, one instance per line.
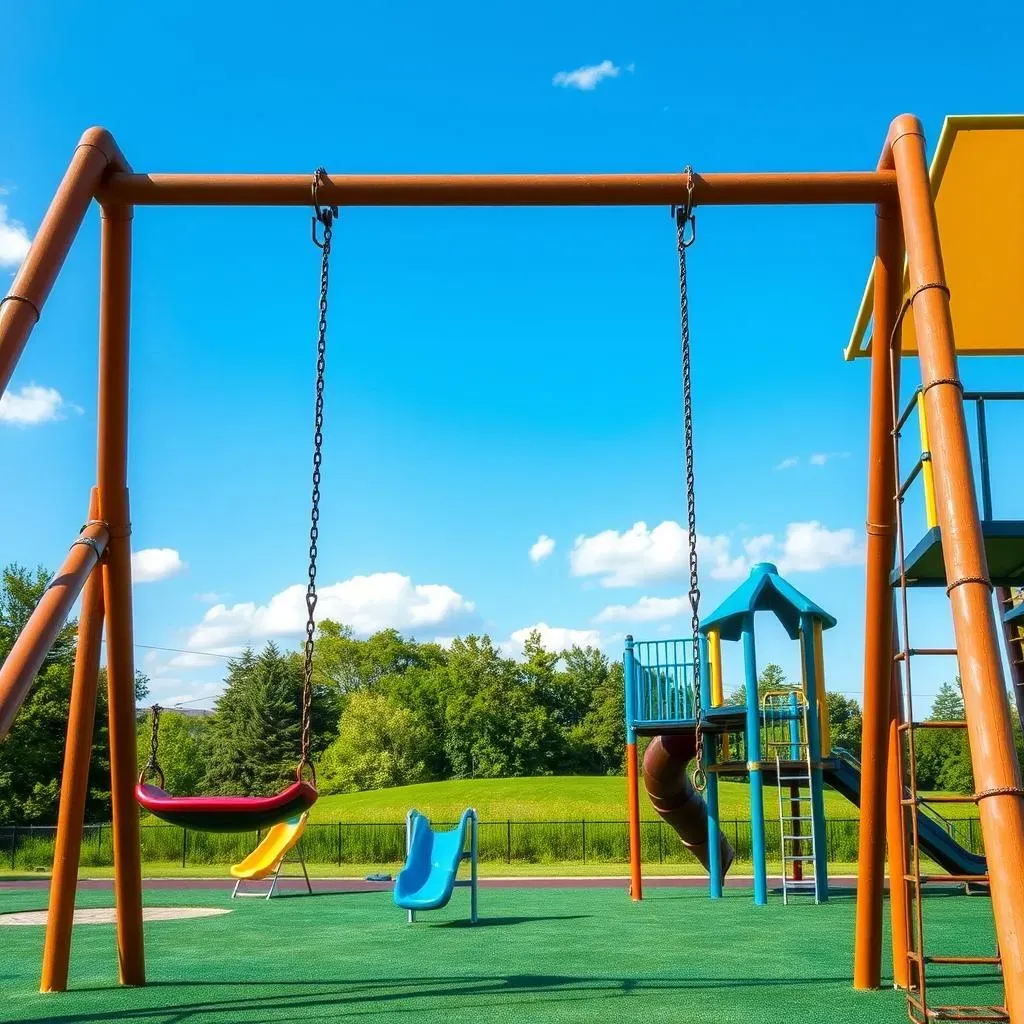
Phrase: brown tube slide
x=675 y=799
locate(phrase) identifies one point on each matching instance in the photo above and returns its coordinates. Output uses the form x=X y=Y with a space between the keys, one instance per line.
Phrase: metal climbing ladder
x=784 y=722
x=919 y=1009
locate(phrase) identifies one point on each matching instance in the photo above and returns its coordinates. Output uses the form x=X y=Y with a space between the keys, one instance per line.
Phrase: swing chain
x=153 y=765
x=686 y=233
x=325 y=216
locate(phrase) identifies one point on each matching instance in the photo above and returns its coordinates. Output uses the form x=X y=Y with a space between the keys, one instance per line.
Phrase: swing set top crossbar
x=846 y=187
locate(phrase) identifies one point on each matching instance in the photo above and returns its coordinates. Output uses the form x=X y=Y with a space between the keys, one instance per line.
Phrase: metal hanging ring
x=324 y=215
x=684 y=215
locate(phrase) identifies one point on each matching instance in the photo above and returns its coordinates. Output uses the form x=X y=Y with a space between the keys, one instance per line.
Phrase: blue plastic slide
x=843 y=774
x=432 y=864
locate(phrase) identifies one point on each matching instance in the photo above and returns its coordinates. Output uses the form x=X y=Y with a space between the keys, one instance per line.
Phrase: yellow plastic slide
x=267 y=857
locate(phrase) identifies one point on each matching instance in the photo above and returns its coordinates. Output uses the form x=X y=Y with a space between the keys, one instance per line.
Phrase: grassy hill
x=548 y=798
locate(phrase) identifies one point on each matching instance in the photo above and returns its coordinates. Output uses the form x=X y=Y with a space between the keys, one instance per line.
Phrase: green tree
x=772 y=677
x=379 y=744
x=254 y=738
x=598 y=742
x=845 y=722
x=20 y=591
x=943 y=755
x=32 y=755
x=495 y=724
x=350 y=665
x=185 y=742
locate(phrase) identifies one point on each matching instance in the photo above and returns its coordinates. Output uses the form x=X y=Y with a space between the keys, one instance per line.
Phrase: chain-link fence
x=30 y=847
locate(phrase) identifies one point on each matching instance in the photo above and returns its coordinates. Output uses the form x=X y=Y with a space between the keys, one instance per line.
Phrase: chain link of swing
x=325 y=217
x=686 y=235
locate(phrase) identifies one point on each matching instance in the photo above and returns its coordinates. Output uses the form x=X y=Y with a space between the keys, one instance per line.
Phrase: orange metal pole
x=499 y=189
x=636 y=885
x=74 y=783
x=112 y=470
x=896 y=842
x=996 y=774
x=19 y=311
x=18 y=672
x=881 y=529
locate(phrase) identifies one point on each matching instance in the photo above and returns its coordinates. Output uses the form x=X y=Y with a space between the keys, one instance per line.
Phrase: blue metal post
x=814 y=748
x=629 y=681
x=753 y=736
x=711 y=794
x=794 y=729
x=986 y=479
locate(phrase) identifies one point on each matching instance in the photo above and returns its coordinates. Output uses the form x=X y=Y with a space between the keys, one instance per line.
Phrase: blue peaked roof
x=764 y=590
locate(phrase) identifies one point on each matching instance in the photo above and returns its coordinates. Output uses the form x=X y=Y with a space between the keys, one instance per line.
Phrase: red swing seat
x=226 y=813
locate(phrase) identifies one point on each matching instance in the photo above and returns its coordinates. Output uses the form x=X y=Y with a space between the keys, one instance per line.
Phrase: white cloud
x=647 y=609
x=810 y=547
x=543 y=547
x=821 y=458
x=205 y=659
x=153 y=564
x=210 y=597
x=587 y=77
x=639 y=555
x=33 y=405
x=366 y=603
x=14 y=240
x=553 y=638
x=818 y=459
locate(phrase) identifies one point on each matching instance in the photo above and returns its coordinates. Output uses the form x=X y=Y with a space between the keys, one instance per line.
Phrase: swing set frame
x=99 y=564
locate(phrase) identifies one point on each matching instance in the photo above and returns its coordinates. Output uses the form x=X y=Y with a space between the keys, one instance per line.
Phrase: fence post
x=99 y=843
x=339 y=844
x=584 y=823
x=184 y=845
x=661 y=842
x=508 y=831
x=14 y=844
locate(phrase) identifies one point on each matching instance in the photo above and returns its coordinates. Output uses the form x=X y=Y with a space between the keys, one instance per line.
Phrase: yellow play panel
x=977 y=177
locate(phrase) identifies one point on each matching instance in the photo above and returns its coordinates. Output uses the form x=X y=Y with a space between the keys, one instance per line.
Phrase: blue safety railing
x=662 y=681
x=982 y=469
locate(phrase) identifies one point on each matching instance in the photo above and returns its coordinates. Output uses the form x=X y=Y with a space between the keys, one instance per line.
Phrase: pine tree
x=254 y=743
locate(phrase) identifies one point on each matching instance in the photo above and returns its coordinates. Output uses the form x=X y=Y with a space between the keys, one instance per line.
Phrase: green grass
x=552 y=956
x=548 y=798
x=574 y=869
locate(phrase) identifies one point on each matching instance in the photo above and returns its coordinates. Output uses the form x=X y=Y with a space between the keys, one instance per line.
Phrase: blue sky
x=494 y=376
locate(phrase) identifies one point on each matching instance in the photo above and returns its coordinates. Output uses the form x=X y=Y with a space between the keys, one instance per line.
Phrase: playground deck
x=552 y=955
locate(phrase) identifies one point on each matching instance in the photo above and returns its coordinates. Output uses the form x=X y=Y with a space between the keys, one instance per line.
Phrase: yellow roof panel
x=977 y=177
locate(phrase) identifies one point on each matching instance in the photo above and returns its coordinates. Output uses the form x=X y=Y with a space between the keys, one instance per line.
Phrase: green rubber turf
x=537 y=955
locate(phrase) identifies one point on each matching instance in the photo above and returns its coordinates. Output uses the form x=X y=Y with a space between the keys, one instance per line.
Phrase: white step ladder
x=793 y=775
x=797 y=835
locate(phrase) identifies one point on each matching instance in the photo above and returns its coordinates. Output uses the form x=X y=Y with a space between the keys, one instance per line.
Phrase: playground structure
x=779 y=737
x=917 y=306
x=432 y=860
x=270 y=856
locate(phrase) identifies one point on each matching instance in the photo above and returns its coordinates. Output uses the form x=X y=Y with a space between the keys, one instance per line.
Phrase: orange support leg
x=996 y=773
x=897 y=844
x=112 y=459
x=636 y=889
x=881 y=530
x=95 y=153
x=74 y=783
